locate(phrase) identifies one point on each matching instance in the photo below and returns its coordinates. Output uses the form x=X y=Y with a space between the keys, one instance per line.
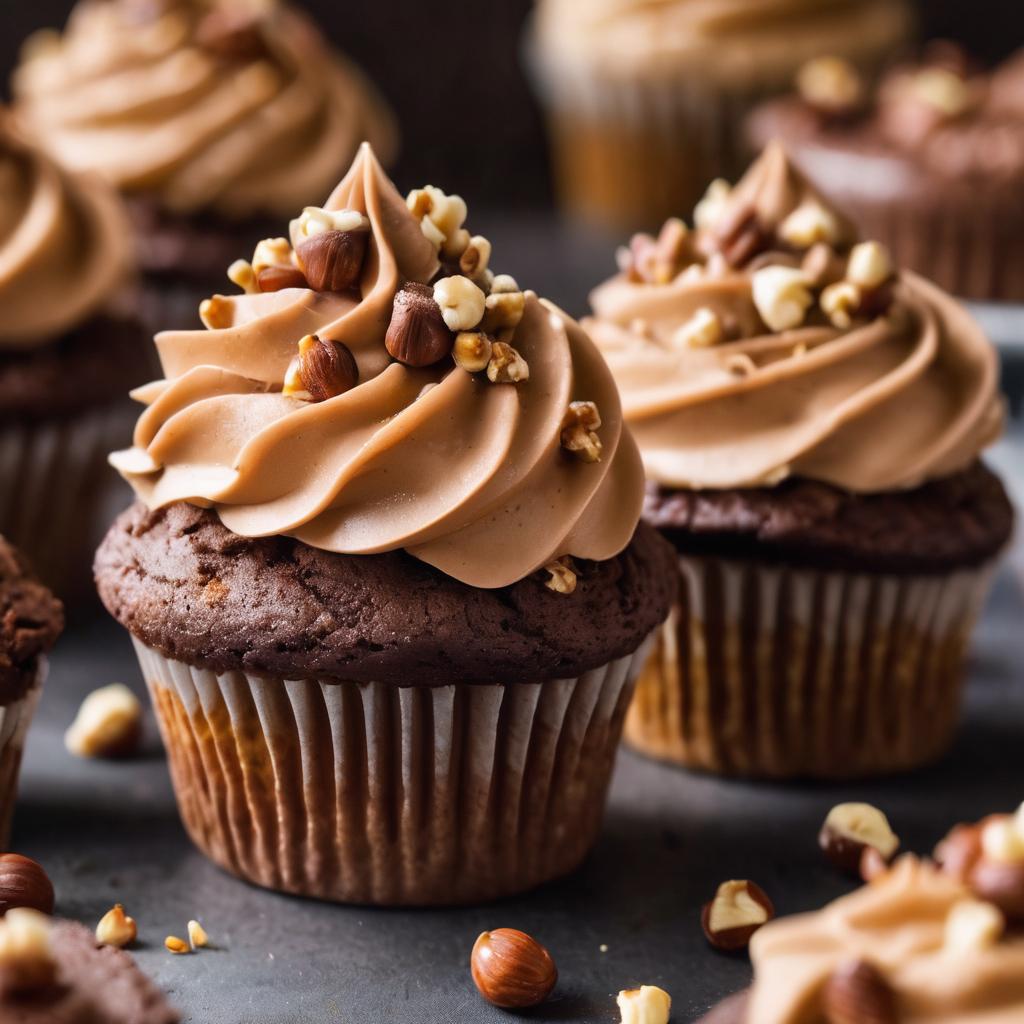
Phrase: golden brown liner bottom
x=371 y=793
x=15 y=719
x=764 y=671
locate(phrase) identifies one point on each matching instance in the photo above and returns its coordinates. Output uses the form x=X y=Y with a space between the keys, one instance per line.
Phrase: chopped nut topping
x=973 y=925
x=455 y=245
x=216 y=313
x=26 y=950
x=840 y=303
x=822 y=266
x=562 y=576
x=241 y=273
x=441 y=218
x=197 y=936
x=781 y=296
x=472 y=351
x=702 y=330
x=116 y=928
x=869 y=266
x=810 y=223
x=831 y=85
x=273 y=252
x=503 y=283
x=709 y=210
x=657 y=260
x=108 y=724
x=943 y=90
x=475 y=258
x=462 y=302
x=506 y=365
x=177 y=946
x=502 y=313
x=314 y=220
x=579 y=427
x=1002 y=841
x=323 y=369
x=647 y=1004
x=738 y=236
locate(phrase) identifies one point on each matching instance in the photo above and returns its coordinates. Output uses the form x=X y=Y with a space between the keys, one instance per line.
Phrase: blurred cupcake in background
x=70 y=343
x=811 y=420
x=644 y=96
x=930 y=161
x=215 y=118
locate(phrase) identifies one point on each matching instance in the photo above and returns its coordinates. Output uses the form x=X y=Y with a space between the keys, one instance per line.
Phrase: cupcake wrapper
x=765 y=671
x=14 y=722
x=57 y=493
x=372 y=793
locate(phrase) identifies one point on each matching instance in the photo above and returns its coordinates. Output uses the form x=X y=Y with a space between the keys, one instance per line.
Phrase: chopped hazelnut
x=579 y=427
x=973 y=925
x=241 y=273
x=506 y=365
x=870 y=265
x=216 y=313
x=822 y=266
x=25 y=949
x=709 y=210
x=810 y=223
x=562 y=576
x=441 y=218
x=197 y=936
x=472 y=351
x=177 y=946
x=475 y=257
x=272 y=252
x=503 y=283
x=647 y=1004
x=1001 y=841
x=116 y=928
x=462 y=302
x=314 y=220
x=702 y=330
x=831 y=85
x=502 y=313
x=108 y=724
x=840 y=302
x=781 y=296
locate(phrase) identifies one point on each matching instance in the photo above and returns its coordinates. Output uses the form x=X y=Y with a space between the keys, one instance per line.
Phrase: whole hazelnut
x=511 y=969
x=23 y=883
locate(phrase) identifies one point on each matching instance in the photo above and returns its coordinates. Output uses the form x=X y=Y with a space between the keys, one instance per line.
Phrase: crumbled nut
x=475 y=258
x=870 y=265
x=455 y=244
x=810 y=223
x=197 y=936
x=462 y=302
x=275 y=279
x=858 y=993
x=241 y=273
x=647 y=1004
x=177 y=946
x=441 y=218
x=216 y=313
x=943 y=90
x=419 y=202
x=272 y=252
x=432 y=233
x=503 y=283
x=738 y=235
x=108 y=724
x=702 y=330
x=822 y=266
x=506 y=365
x=472 y=351
x=849 y=829
x=116 y=928
x=314 y=220
x=1002 y=841
x=579 y=426
x=781 y=296
x=417 y=334
x=502 y=313
x=323 y=369
x=973 y=925
x=26 y=952
x=739 y=908
x=840 y=303
x=709 y=210
x=830 y=85
x=562 y=576
x=672 y=250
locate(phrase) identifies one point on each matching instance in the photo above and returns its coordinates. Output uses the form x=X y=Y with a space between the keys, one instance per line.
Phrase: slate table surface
x=109 y=832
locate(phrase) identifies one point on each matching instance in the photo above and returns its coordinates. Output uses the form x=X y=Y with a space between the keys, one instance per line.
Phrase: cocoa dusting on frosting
x=376 y=386
x=769 y=343
x=232 y=106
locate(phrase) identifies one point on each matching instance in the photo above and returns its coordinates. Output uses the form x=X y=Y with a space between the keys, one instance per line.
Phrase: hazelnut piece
x=858 y=993
x=831 y=86
x=511 y=969
x=781 y=296
x=274 y=279
x=973 y=925
x=739 y=908
x=23 y=883
x=108 y=724
x=116 y=928
x=417 y=334
x=26 y=953
x=579 y=431
x=561 y=576
x=472 y=351
x=849 y=828
x=323 y=369
x=647 y=1004
x=197 y=936
x=332 y=261
x=506 y=365
x=462 y=303
x=176 y=946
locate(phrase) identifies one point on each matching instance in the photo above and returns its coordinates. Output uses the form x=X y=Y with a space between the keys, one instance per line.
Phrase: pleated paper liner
x=372 y=793
x=763 y=671
x=15 y=719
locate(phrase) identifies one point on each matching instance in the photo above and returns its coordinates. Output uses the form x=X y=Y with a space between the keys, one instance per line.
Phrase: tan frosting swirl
x=466 y=475
x=156 y=111
x=64 y=245
x=898 y=924
x=886 y=404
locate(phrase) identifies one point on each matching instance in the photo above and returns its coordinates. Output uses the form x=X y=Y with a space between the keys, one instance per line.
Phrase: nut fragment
x=272 y=252
x=116 y=928
x=858 y=993
x=502 y=313
x=441 y=218
x=108 y=724
x=216 y=313
x=973 y=925
x=562 y=576
x=177 y=946
x=241 y=273
x=849 y=829
x=314 y=220
x=831 y=86
x=274 y=279
x=472 y=351
x=870 y=265
x=512 y=970
x=332 y=261
x=963 y=855
x=323 y=369
x=840 y=303
x=26 y=953
x=503 y=283
x=462 y=302
x=781 y=296
x=709 y=210
x=702 y=330
x=197 y=936
x=738 y=235
x=822 y=266
x=475 y=257
x=1001 y=841
x=579 y=426
x=943 y=90
x=24 y=883
x=417 y=334
x=808 y=224
x=506 y=365
x=739 y=908
x=647 y=1004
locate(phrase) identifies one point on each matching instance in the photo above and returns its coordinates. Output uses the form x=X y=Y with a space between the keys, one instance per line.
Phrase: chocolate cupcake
x=31 y=619
x=810 y=419
x=929 y=161
x=55 y=972
x=643 y=97
x=70 y=344
x=215 y=118
x=385 y=579
x=912 y=946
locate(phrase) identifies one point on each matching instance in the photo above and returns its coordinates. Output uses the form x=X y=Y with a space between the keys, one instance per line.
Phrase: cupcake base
x=15 y=718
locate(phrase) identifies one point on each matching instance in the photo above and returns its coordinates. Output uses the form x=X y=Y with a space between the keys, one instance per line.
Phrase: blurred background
x=469 y=53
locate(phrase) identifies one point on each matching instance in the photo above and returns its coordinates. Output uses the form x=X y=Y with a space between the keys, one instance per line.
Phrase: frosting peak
x=765 y=344
x=456 y=462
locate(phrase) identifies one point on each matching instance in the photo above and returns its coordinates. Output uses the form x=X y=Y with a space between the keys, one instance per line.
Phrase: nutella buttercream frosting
x=376 y=387
x=233 y=106
x=769 y=343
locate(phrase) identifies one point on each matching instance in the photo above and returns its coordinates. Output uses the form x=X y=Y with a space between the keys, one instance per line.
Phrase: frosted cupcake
x=811 y=420
x=643 y=97
x=216 y=118
x=385 y=578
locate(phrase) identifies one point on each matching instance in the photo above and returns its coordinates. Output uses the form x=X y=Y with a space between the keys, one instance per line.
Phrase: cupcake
x=70 y=344
x=215 y=118
x=385 y=578
x=31 y=619
x=55 y=972
x=810 y=420
x=643 y=97
x=912 y=947
x=929 y=161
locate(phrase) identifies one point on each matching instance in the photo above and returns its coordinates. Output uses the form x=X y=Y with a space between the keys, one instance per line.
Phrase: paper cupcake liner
x=57 y=493
x=764 y=671
x=14 y=722
x=372 y=793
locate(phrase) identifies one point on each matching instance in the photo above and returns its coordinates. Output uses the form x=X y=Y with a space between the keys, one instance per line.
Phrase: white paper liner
x=15 y=719
x=372 y=793
x=768 y=671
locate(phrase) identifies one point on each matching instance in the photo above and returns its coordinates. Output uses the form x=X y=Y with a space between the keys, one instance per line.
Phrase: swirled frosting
x=898 y=924
x=466 y=475
x=65 y=245
x=252 y=116
x=890 y=401
x=742 y=41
